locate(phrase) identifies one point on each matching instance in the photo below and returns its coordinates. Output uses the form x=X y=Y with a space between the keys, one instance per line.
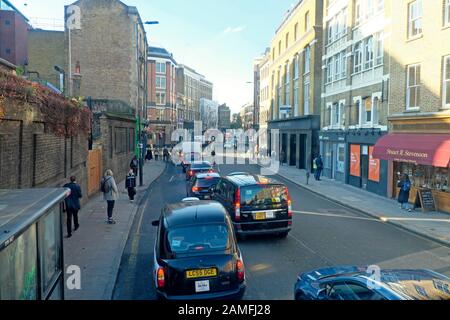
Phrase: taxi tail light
x=240 y=270
x=195 y=189
x=289 y=203
x=161 y=277
x=237 y=204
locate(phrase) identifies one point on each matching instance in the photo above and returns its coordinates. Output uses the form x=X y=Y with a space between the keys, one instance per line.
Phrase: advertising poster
x=374 y=167
x=355 y=160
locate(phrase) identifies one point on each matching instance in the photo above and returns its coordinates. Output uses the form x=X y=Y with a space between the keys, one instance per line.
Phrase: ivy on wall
x=63 y=117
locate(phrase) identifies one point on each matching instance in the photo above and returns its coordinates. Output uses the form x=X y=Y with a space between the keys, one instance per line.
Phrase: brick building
x=418 y=143
x=191 y=87
x=13 y=34
x=47 y=49
x=354 y=91
x=295 y=80
x=162 y=96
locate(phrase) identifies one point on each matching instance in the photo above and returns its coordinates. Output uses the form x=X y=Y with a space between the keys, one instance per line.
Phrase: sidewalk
x=97 y=247
x=432 y=225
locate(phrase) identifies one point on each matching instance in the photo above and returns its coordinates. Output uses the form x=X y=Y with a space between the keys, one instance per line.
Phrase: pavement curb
x=368 y=214
x=129 y=227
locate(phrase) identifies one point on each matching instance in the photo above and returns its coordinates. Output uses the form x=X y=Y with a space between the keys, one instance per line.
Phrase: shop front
x=364 y=170
x=333 y=151
x=298 y=140
x=425 y=158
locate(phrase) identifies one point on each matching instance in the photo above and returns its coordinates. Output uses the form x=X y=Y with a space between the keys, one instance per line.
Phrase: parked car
x=355 y=283
x=201 y=184
x=198 y=167
x=256 y=204
x=196 y=254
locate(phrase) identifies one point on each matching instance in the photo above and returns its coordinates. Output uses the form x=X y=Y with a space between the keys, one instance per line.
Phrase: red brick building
x=162 y=96
x=13 y=34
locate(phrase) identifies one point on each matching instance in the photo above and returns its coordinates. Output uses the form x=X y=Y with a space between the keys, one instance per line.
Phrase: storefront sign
x=374 y=167
x=355 y=160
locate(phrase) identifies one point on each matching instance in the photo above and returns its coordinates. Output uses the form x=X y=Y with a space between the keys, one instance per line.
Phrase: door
x=364 y=166
x=283 y=147
x=302 y=152
x=293 y=153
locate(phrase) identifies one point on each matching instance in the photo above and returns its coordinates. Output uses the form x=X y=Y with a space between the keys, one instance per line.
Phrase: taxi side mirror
x=155 y=223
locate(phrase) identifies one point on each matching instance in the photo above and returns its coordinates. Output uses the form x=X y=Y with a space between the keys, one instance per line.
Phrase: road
x=324 y=234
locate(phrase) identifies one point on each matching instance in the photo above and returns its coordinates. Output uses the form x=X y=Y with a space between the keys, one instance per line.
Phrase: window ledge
x=445 y=27
x=410 y=39
x=412 y=110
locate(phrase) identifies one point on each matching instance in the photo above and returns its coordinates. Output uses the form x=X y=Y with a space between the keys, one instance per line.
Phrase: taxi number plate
x=264 y=215
x=201 y=273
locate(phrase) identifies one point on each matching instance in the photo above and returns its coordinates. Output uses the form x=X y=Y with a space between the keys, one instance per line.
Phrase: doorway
x=293 y=148
x=302 y=152
x=364 y=166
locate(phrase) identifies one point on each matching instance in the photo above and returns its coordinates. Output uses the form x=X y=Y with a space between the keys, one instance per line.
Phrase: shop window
x=341 y=158
x=425 y=176
x=413 y=86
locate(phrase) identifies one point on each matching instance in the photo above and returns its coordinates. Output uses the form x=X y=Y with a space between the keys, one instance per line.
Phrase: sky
x=217 y=38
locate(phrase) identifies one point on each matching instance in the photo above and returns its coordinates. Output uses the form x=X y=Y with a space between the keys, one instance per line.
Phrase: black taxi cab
x=196 y=255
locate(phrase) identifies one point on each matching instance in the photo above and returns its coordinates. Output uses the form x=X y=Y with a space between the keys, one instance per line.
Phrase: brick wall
x=13 y=37
x=31 y=156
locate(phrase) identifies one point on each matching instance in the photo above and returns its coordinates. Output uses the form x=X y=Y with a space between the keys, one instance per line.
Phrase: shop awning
x=425 y=149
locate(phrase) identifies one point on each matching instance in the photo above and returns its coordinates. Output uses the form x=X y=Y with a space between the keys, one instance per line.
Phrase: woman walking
x=110 y=193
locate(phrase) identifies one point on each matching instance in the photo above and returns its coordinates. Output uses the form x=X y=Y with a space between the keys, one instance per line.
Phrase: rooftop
x=158 y=52
x=8 y=6
x=187 y=213
x=250 y=179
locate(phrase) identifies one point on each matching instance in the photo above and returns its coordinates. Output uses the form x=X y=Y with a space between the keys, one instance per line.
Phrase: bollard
x=307 y=177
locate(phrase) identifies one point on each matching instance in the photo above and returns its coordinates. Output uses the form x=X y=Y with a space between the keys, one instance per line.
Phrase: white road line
x=337 y=216
x=171 y=179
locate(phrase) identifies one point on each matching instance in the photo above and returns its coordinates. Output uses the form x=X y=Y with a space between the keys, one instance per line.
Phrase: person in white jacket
x=110 y=193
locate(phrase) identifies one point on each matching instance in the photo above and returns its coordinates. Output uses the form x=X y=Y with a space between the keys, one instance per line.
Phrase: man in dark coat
x=134 y=165
x=319 y=167
x=405 y=188
x=130 y=184
x=72 y=205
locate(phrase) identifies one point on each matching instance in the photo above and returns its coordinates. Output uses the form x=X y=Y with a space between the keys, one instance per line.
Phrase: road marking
x=337 y=216
x=171 y=179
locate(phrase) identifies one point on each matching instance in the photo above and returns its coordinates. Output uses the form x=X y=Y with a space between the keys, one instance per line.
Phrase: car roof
x=194 y=212
x=204 y=175
x=243 y=180
x=409 y=283
x=200 y=164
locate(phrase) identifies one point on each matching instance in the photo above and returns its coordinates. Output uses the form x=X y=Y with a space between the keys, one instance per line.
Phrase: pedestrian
x=134 y=165
x=282 y=155
x=403 y=197
x=72 y=205
x=110 y=193
x=319 y=167
x=213 y=156
x=130 y=184
x=166 y=154
x=149 y=155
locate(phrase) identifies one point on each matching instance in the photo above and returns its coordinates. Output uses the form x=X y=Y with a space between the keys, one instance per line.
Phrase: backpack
x=105 y=187
x=406 y=186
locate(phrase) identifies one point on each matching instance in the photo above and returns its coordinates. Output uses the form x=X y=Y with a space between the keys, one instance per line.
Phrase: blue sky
x=218 y=38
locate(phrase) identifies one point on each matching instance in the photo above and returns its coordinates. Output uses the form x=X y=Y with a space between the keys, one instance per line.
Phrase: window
x=8 y=51
x=357 y=112
x=160 y=98
x=273 y=54
x=368 y=53
x=161 y=82
x=279 y=47
x=330 y=70
x=307 y=60
x=337 y=67
x=296 y=67
x=343 y=64
x=413 y=86
x=358 y=12
x=160 y=67
x=295 y=31
x=7 y=22
x=447 y=12
x=446 y=85
x=341 y=158
x=375 y=110
x=330 y=31
x=336 y=114
x=296 y=98
x=307 y=21
x=415 y=18
x=287 y=40
x=379 y=49
x=367 y=112
x=306 y=89
x=343 y=23
x=357 y=58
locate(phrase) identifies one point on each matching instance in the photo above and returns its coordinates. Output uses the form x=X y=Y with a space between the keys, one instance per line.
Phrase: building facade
x=264 y=98
x=109 y=49
x=354 y=91
x=295 y=80
x=191 y=87
x=162 y=96
x=13 y=34
x=209 y=114
x=224 y=118
x=247 y=115
x=418 y=143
